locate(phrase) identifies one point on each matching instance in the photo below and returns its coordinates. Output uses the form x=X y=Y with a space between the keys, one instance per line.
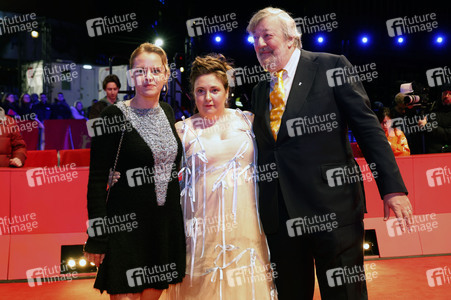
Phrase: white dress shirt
x=288 y=76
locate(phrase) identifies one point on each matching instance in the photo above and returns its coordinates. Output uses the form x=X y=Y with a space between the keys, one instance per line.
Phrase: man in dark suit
x=313 y=213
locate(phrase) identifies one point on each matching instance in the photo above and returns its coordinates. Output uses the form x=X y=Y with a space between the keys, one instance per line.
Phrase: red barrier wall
x=59 y=210
x=431 y=204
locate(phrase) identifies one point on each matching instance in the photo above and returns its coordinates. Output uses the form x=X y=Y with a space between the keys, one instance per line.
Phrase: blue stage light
x=400 y=40
x=250 y=39
x=439 y=39
x=218 y=39
x=364 y=39
x=320 y=39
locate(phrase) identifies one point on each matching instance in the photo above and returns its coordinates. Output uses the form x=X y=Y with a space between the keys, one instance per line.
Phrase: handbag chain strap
x=118 y=151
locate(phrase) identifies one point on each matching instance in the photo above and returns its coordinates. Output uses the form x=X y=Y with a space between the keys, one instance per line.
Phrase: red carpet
x=395 y=279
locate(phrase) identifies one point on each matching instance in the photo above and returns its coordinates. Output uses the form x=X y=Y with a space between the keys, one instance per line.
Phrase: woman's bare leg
x=130 y=296
x=151 y=294
x=147 y=294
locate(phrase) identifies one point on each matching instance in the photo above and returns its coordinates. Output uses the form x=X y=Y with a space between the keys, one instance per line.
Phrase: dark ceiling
x=167 y=19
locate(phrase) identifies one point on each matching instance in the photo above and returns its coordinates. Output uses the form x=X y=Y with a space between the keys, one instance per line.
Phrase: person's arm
x=353 y=101
x=19 y=149
x=103 y=152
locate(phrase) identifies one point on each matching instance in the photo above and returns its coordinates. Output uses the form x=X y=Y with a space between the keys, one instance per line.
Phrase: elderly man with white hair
x=313 y=213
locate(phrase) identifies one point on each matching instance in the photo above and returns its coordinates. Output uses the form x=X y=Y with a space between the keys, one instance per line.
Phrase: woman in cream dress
x=227 y=253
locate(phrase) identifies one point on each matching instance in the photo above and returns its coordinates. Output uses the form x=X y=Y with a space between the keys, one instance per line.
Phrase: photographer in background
x=412 y=105
x=438 y=140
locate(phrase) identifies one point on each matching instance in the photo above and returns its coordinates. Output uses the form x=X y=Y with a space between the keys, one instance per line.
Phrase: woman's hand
x=96 y=258
x=113 y=177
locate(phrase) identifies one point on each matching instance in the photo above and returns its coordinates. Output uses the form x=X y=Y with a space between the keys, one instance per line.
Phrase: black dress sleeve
x=103 y=153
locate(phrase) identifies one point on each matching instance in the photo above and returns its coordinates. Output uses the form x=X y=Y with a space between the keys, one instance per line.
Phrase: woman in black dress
x=137 y=237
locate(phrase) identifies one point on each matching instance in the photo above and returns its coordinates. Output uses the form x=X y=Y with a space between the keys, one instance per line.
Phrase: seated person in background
x=88 y=109
x=438 y=139
x=395 y=136
x=77 y=111
x=111 y=86
x=42 y=108
x=60 y=109
x=25 y=105
x=13 y=150
x=10 y=105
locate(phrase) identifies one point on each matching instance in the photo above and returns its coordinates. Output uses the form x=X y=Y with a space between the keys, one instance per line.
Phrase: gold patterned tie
x=278 y=106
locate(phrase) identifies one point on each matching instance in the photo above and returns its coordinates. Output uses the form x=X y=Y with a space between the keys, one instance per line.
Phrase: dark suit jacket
x=304 y=158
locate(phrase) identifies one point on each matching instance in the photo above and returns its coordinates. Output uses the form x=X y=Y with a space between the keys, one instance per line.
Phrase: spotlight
x=370 y=247
x=159 y=42
x=400 y=40
x=250 y=39
x=82 y=262
x=182 y=69
x=71 y=263
x=320 y=39
x=364 y=39
x=218 y=39
x=439 y=39
x=72 y=259
x=34 y=34
x=87 y=67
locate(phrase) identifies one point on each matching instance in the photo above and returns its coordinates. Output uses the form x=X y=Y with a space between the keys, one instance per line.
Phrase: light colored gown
x=227 y=252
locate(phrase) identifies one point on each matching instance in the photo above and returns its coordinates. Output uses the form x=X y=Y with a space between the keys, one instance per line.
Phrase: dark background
x=167 y=19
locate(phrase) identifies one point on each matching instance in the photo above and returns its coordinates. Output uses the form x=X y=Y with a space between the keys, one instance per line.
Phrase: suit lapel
x=302 y=82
